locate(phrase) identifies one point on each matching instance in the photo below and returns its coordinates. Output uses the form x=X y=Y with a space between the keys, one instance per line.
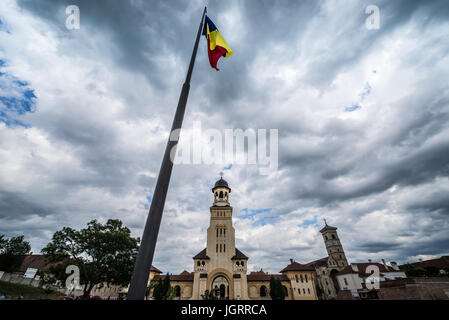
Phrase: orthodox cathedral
x=221 y=268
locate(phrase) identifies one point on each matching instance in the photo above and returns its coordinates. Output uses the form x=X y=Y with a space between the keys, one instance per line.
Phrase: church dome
x=221 y=183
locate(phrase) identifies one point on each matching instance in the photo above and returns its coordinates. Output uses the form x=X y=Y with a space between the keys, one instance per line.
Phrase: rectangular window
x=220 y=247
x=299 y=291
x=224 y=247
x=307 y=279
x=216 y=248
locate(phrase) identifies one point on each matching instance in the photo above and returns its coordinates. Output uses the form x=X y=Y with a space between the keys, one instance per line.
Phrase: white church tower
x=220 y=268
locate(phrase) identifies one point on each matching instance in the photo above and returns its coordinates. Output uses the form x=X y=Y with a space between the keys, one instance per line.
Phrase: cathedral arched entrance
x=220 y=287
x=333 y=275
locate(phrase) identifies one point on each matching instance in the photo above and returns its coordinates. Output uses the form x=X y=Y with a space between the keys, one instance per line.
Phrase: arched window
x=221 y=194
x=198 y=263
x=220 y=247
x=224 y=247
x=308 y=290
x=285 y=291
x=306 y=278
x=299 y=291
x=216 y=248
x=333 y=236
x=242 y=263
x=302 y=279
x=326 y=237
x=238 y=263
x=224 y=232
x=203 y=263
x=221 y=231
x=178 y=291
x=263 y=291
x=217 y=232
x=296 y=276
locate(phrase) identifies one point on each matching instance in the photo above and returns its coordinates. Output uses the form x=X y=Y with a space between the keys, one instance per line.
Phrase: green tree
x=412 y=271
x=432 y=271
x=319 y=292
x=158 y=290
x=12 y=253
x=277 y=291
x=208 y=295
x=104 y=253
x=2 y=242
x=162 y=289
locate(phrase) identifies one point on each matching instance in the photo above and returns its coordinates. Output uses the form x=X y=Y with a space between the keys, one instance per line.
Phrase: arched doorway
x=333 y=275
x=220 y=287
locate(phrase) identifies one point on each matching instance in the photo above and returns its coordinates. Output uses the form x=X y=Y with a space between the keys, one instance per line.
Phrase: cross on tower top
x=221 y=174
x=325 y=222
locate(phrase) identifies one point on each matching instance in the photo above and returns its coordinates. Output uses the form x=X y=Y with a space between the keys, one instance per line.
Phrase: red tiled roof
x=440 y=263
x=295 y=266
x=318 y=263
x=362 y=268
x=154 y=269
x=183 y=276
x=264 y=276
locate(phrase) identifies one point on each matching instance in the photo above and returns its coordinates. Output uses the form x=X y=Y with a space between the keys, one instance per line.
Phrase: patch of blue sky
x=3 y=26
x=352 y=108
x=11 y=122
x=253 y=212
x=262 y=221
x=257 y=215
x=16 y=99
x=307 y=223
x=228 y=167
x=366 y=91
x=149 y=198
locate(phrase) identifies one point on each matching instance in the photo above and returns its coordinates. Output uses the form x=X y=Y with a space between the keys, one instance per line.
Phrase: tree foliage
x=208 y=295
x=104 y=253
x=162 y=289
x=276 y=289
x=413 y=271
x=12 y=253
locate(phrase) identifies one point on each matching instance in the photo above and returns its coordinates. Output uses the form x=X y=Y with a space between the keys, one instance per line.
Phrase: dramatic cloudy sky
x=362 y=116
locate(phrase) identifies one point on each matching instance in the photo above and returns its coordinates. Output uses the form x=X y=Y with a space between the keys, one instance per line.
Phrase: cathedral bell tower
x=221 y=267
x=220 y=235
x=337 y=257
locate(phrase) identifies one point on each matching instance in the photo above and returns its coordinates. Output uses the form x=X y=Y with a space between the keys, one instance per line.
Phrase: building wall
x=254 y=290
x=326 y=284
x=302 y=284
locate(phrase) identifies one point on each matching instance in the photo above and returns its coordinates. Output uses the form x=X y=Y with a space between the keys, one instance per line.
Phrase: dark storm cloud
x=19 y=205
x=435 y=202
x=138 y=30
x=375 y=247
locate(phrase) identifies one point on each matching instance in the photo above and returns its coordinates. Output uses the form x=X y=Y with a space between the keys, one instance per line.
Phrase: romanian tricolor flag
x=216 y=45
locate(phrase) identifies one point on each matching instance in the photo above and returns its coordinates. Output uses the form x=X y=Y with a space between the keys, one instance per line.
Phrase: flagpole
x=139 y=280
